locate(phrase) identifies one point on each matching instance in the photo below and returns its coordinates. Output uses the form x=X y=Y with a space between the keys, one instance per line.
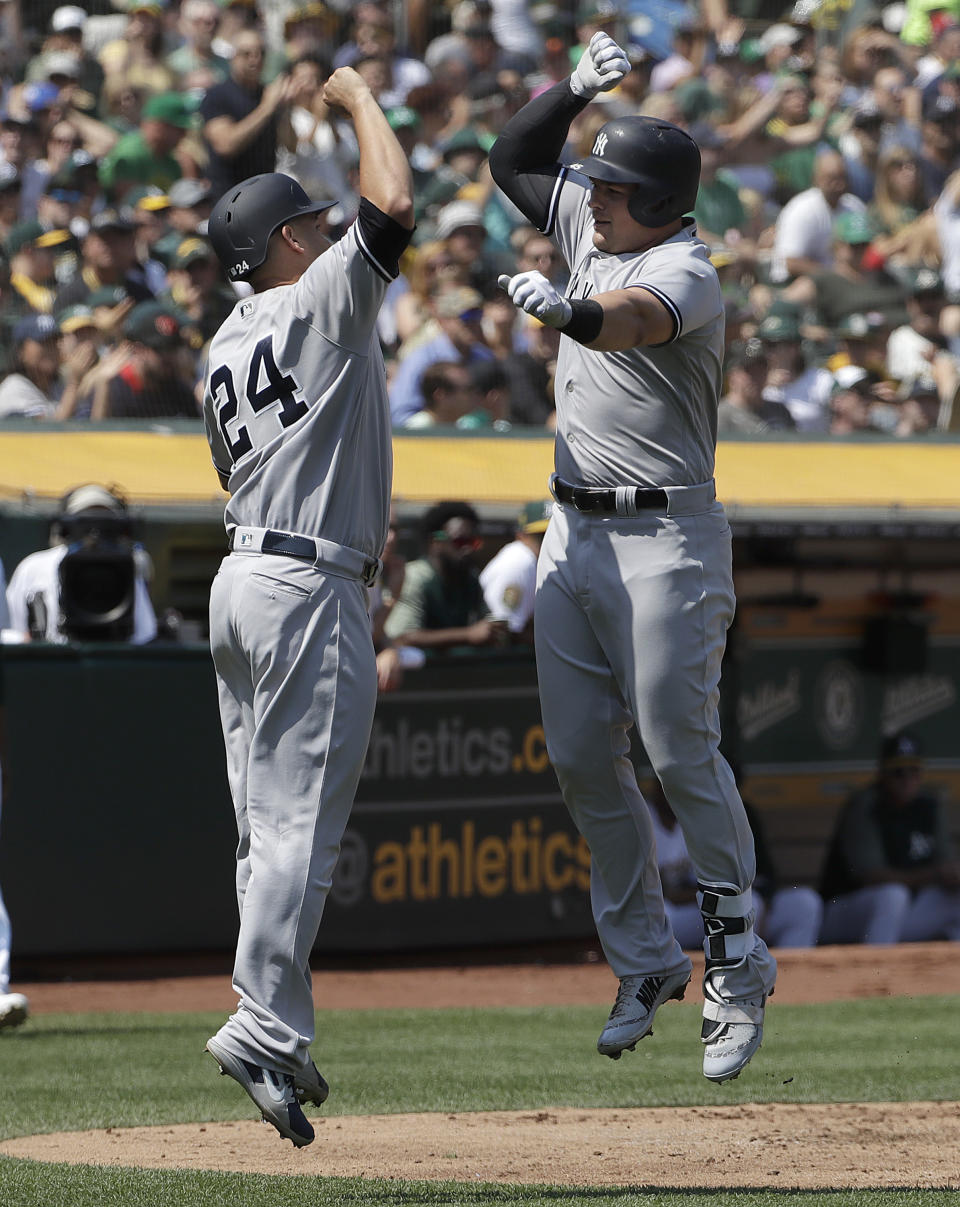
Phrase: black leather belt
x=288 y=544
x=604 y=498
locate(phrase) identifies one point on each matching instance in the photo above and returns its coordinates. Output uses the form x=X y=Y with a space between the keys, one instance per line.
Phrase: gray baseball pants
x=630 y=626
x=296 y=677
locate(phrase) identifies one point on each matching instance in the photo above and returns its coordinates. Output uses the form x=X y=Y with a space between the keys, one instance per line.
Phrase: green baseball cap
x=166 y=246
x=534 y=517
x=32 y=234
x=778 y=328
x=147 y=197
x=75 y=318
x=155 y=325
x=468 y=139
x=742 y=354
x=107 y=295
x=174 y=108
x=854 y=228
x=750 y=51
x=190 y=250
x=860 y=325
x=402 y=117
x=695 y=100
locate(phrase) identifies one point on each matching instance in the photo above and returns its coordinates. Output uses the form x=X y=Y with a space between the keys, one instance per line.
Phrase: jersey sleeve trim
x=380 y=239
x=671 y=310
x=554 y=203
x=222 y=474
x=371 y=259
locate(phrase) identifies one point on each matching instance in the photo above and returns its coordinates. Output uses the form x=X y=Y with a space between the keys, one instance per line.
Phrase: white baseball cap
x=68 y=16
x=778 y=35
x=457 y=214
x=90 y=497
x=848 y=376
x=62 y=62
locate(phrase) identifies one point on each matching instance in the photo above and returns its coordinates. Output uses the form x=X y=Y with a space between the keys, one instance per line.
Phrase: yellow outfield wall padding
x=911 y=474
x=174 y=467
x=149 y=467
x=478 y=469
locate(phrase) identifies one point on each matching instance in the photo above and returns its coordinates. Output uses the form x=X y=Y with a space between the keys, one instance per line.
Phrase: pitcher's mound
x=808 y=1147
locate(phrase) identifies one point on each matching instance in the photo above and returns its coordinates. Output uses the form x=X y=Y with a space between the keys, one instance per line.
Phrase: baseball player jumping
x=296 y=414
x=634 y=582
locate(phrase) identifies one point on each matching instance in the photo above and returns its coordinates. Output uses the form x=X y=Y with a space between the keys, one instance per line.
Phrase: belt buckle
x=584 y=499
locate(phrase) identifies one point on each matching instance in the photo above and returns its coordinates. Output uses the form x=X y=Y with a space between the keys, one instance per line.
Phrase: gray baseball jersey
x=297 y=417
x=646 y=415
x=295 y=406
x=633 y=603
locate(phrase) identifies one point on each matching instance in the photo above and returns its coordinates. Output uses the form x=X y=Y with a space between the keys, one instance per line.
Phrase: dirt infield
x=840 y=1145
x=810 y=1147
x=820 y=975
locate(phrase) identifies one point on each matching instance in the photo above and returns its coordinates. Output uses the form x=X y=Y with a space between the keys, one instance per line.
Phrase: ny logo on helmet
x=600 y=145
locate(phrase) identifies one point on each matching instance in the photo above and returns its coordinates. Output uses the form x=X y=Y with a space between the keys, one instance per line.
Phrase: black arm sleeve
x=524 y=159
x=382 y=239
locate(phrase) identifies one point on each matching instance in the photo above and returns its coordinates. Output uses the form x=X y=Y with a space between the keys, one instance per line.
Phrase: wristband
x=586 y=322
x=579 y=89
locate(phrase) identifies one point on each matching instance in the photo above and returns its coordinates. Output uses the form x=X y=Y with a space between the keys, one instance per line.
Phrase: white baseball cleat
x=272 y=1092
x=631 y=1019
x=731 y=1033
x=14 y=1009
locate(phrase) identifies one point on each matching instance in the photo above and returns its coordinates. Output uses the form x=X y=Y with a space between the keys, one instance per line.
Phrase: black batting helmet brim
x=611 y=173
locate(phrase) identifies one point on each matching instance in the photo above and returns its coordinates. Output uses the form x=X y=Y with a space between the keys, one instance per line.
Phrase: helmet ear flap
x=658 y=212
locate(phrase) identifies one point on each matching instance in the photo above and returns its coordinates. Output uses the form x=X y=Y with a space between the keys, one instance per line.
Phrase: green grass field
x=68 y=1072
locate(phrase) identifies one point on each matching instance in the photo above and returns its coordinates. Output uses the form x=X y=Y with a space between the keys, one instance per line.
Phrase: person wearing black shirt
x=243 y=121
x=890 y=874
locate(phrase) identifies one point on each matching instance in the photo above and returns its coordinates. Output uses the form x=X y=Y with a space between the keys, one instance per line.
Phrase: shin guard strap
x=723 y=902
x=733 y=1012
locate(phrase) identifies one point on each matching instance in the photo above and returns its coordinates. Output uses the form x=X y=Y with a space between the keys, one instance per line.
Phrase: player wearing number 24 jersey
x=297 y=418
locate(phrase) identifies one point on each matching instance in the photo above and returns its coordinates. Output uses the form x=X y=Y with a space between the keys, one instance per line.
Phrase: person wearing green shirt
x=718 y=208
x=441 y=604
x=145 y=156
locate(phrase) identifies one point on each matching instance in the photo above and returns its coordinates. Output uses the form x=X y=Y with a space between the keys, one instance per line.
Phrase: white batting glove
x=532 y=292
x=602 y=66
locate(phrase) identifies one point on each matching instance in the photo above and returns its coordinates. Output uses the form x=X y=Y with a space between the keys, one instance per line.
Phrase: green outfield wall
x=118 y=831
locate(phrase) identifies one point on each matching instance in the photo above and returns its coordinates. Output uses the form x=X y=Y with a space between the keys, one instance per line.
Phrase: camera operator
x=91 y=584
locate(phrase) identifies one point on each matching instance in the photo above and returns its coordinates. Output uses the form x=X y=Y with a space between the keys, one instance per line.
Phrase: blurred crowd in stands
x=830 y=196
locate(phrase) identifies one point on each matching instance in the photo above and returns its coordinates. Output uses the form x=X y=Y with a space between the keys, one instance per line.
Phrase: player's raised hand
x=532 y=292
x=345 y=88
x=602 y=66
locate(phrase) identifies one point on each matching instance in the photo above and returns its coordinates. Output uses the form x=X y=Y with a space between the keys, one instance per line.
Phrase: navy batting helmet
x=658 y=156
x=242 y=221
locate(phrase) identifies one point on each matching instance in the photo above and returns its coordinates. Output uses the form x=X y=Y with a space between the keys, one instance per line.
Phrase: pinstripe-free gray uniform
x=632 y=609
x=297 y=418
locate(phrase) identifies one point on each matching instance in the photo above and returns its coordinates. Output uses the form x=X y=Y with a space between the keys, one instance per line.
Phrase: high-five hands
x=532 y=292
x=602 y=66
